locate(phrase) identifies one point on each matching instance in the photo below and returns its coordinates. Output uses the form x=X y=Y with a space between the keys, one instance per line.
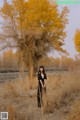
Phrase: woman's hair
x=43 y=69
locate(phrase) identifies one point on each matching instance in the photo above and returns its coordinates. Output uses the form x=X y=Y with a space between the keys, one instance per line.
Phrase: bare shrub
x=14 y=114
x=14 y=88
x=62 y=88
x=75 y=112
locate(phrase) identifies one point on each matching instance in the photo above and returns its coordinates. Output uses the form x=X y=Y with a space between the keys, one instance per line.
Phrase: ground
x=61 y=94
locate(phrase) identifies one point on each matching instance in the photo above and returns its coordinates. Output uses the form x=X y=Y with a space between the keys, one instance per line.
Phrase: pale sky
x=74 y=23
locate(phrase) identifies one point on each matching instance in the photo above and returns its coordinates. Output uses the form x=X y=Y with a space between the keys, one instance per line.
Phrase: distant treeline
x=10 y=62
x=47 y=69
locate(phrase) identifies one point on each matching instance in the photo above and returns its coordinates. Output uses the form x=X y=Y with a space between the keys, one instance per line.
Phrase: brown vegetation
x=63 y=90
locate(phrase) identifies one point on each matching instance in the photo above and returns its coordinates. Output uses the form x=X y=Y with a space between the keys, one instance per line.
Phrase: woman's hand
x=43 y=86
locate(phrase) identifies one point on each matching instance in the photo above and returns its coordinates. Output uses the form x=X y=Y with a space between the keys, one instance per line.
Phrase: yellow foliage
x=77 y=40
x=33 y=14
x=34 y=18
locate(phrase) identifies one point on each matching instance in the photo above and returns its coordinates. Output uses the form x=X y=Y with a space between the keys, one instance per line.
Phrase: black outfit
x=39 y=91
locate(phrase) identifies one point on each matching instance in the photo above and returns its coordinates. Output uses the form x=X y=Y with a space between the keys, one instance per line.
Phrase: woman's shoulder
x=45 y=76
x=44 y=73
x=40 y=73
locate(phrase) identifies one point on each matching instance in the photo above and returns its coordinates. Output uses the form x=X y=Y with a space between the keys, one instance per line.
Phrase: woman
x=41 y=84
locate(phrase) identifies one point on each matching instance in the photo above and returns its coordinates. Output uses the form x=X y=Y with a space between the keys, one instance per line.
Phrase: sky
x=74 y=23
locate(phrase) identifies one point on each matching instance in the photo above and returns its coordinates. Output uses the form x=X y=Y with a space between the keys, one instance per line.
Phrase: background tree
x=34 y=27
x=77 y=40
x=9 y=61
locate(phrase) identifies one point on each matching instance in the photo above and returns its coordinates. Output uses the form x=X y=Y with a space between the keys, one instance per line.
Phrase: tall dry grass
x=14 y=114
x=75 y=111
x=14 y=88
x=62 y=89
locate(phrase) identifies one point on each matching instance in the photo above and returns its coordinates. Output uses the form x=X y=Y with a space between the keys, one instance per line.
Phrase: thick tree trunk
x=21 y=69
x=31 y=71
x=35 y=70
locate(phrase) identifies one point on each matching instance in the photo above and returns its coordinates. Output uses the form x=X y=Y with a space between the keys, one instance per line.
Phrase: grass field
x=63 y=98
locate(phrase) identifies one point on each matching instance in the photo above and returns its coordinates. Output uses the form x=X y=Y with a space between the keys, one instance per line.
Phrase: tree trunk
x=21 y=65
x=31 y=71
x=21 y=70
x=35 y=70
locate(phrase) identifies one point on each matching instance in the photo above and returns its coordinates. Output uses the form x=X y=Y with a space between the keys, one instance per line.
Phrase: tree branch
x=8 y=46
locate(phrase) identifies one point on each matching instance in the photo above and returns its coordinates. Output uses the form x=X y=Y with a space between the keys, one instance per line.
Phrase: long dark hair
x=43 y=70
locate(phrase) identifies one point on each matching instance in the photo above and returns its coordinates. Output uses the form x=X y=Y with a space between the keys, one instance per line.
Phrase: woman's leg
x=44 y=97
x=45 y=89
x=39 y=97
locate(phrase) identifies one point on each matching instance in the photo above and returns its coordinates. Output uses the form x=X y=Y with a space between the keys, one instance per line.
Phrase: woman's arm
x=41 y=83
x=45 y=78
x=45 y=82
x=39 y=78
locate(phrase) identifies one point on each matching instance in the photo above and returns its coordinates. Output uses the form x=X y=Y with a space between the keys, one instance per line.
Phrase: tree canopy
x=34 y=27
x=77 y=40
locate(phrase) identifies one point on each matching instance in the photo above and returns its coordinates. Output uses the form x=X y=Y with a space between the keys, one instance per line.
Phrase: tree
x=77 y=40
x=34 y=27
x=9 y=61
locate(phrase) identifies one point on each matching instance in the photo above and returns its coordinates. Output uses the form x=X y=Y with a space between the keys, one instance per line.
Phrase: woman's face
x=41 y=69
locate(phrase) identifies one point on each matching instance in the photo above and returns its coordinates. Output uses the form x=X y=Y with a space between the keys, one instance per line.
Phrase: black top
x=40 y=78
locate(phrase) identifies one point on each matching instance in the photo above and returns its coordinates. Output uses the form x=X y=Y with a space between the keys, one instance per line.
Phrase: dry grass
x=14 y=88
x=62 y=89
x=75 y=112
x=14 y=114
